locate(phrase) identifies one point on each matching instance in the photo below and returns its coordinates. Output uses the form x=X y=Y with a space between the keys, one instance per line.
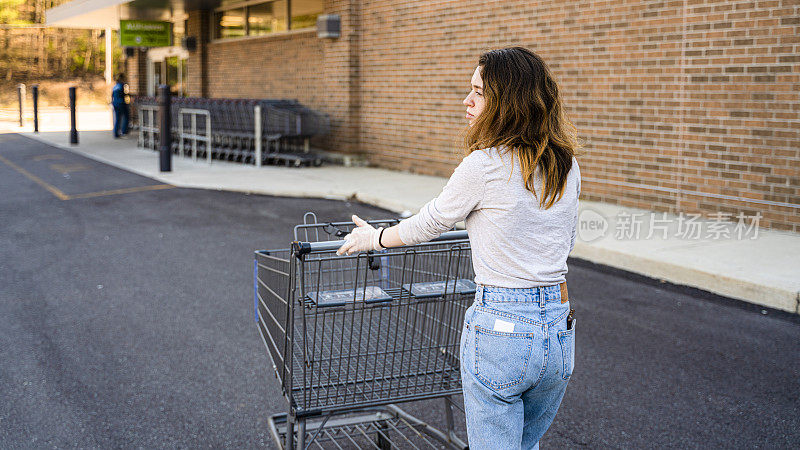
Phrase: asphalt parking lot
x=126 y=320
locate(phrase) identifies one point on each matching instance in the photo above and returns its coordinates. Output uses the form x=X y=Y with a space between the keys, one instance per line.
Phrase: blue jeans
x=516 y=360
x=120 y=119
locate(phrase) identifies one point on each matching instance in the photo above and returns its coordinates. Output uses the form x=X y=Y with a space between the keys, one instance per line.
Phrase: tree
x=9 y=12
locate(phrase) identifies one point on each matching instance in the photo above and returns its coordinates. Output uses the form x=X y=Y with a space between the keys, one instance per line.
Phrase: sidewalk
x=756 y=265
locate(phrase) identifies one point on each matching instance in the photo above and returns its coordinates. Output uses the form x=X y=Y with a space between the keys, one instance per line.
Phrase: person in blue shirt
x=121 y=112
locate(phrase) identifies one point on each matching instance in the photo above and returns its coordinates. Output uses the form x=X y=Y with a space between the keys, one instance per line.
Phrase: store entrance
x=167 y=65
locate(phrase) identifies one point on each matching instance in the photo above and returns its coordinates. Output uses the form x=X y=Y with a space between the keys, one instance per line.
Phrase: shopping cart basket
x=349 y=336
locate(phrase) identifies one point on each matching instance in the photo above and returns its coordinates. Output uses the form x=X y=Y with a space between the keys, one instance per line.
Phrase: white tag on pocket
x=502 y=325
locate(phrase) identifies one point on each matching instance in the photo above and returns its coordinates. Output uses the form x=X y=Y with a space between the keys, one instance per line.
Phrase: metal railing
x=147 y=124
x=193 y=136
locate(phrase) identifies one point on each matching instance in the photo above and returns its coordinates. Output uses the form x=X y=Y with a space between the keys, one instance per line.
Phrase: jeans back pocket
x=501 y=359
x=567 y=341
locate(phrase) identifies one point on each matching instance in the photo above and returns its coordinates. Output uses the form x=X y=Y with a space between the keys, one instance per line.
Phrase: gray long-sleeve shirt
x=515 y=243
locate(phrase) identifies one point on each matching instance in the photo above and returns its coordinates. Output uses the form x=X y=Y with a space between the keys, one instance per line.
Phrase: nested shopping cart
x=351 y=336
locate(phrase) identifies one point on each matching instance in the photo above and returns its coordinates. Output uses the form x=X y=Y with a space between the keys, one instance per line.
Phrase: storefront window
x=265 y=18
x=257 y=18
x=230 y=23
x=305 y=12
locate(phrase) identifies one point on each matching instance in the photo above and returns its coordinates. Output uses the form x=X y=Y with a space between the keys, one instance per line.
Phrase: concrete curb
x=773 y=297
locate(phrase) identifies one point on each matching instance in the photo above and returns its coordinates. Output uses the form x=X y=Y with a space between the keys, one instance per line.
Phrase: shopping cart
x=349 y=336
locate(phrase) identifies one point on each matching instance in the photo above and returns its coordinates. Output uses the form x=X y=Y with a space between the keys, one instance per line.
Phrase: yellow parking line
x=52 y=189
x=62 y=196
x=154 y=187
x=46 y=157
x=69 y=168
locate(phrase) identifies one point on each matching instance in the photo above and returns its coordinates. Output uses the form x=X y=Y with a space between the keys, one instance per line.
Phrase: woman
x=518 y=190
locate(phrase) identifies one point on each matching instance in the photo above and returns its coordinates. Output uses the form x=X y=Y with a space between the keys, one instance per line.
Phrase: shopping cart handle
x=302 y=248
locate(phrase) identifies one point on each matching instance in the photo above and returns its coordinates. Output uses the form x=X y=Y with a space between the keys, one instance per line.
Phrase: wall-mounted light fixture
x=189 y=43
x=329 y=26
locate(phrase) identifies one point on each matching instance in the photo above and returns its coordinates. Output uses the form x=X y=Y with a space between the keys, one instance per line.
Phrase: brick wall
x=136 y=72
x=198 y=26
x=741 y=135
x=284 y=66
x=280 y=66
x=342 y=78
x=322 y=74
x=687 y=106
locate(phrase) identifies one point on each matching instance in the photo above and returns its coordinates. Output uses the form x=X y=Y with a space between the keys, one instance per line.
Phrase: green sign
x=145 y=33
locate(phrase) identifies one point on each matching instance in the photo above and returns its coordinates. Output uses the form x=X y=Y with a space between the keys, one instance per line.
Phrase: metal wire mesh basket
x=349 y=332
x=383 y=428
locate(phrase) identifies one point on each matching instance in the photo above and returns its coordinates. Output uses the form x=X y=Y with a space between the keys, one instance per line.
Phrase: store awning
x=86 y=14
x=107 y=13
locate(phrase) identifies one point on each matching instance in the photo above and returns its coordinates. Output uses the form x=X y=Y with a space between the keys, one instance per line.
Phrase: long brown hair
x=523 y=113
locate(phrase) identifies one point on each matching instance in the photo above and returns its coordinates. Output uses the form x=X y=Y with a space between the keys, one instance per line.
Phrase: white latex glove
x=363 y=238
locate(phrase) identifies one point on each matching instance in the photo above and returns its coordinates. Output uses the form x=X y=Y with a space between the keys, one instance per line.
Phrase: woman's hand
x=363 y=238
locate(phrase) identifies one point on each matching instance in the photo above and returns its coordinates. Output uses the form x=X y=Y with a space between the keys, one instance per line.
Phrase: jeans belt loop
x=479 y=296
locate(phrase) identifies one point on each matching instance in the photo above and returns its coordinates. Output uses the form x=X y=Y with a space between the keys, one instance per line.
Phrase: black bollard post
x=164 y=129
x=21 y=99
x=35 y=92
x=73 y=130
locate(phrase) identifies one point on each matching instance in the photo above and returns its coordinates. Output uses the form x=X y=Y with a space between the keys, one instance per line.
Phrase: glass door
x=158 y=76
x=173 y=78
x=168 y=65
x=184 y=78
x=176 y=75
